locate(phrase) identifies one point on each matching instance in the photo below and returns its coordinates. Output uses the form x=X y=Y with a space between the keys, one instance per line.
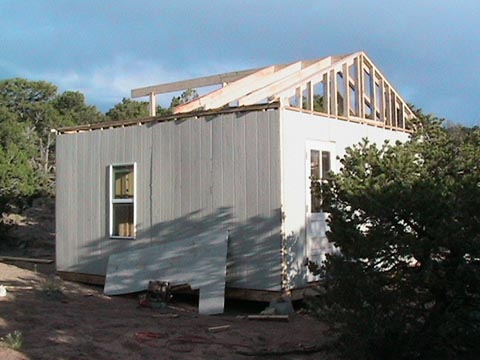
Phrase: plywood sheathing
x=199 y=261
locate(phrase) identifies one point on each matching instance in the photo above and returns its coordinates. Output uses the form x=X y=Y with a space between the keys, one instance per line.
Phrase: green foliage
x=28 y=112
x=185 y=97
x=131 y=109
x=407 y=281
x=73 y=110
x=53 y=288
x=13 y=340
x=128 y=109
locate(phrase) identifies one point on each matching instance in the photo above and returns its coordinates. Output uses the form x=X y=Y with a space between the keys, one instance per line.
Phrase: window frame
x=112 y=200
x=320 y=146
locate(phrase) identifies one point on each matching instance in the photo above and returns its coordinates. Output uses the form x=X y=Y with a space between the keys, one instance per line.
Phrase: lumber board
x=192 y=83
x=164 y=118
x=215 y=329
x=24 y=259
x=243 y=86
x=283 y=318
x=294 y=80
x=82 y=277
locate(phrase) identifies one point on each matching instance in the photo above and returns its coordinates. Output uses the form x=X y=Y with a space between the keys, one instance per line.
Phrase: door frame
x=320 y=217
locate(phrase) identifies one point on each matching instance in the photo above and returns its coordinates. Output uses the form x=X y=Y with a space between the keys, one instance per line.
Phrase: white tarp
x=199 y=261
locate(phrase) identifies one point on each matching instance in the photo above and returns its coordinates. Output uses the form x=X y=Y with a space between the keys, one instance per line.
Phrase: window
x=319 y=168
x=122 y=201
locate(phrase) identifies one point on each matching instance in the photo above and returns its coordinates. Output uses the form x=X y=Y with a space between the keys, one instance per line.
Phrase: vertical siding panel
x=217 y=163
x=186 y=163
x=64 y=246
x=251 y=159
x=139 y=152
x=251 y=241
x=96 y=172
x=90 y=241
x=167 y=168
x=207 y=149
x=146 y=156
x=228 y=168
x=105 y=160
x=82 y=214
x=177 y=167
x=195 y=164
x=240 y=247
x=160 y=161
x=239 y=168
x=263 y=147
x=158 y=179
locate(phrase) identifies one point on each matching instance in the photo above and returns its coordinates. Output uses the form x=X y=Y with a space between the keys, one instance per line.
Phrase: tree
x=185 y=97
x=28 y=112
x=73 y=110
x=131 y=109
x=405 y=217
x=128 y=109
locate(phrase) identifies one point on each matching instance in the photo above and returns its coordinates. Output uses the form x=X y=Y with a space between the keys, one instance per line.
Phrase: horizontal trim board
x=172 y=117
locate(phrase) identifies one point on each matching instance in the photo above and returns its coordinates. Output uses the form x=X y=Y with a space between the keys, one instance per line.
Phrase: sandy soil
x=81 y=323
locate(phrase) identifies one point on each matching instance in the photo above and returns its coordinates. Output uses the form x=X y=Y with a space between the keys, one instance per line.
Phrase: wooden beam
x=242 y=87
x=153 y=104
x=333 y=93
x=24 y=259
x=192 y=83
x=292 y=81
x=283 y=318
x=225 y=94
x=361 y=88
x=346 y=97
x=373 y=95
x=82 y=278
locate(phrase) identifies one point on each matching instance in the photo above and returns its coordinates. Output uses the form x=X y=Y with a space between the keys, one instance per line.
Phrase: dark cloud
x=428 y=49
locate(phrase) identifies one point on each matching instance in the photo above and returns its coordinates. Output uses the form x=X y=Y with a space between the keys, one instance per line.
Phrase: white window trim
x=112 y=201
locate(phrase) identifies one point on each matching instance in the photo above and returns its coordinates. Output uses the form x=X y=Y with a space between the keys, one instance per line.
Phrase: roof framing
x=349 y=87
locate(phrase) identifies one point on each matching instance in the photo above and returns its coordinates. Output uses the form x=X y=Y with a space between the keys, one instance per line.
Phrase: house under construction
x=239 y=159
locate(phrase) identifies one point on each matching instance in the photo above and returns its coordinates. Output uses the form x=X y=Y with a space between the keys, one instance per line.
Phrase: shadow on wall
x=254 y=257
x=295 y=253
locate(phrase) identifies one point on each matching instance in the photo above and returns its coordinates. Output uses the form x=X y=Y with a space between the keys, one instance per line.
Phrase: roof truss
x=347 y=87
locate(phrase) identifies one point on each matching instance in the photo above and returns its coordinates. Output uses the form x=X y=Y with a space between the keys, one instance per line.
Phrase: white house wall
x=193 y=175
x=297 y=129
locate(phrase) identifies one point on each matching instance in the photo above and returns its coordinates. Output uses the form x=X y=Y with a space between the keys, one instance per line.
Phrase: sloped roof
x=348 y=87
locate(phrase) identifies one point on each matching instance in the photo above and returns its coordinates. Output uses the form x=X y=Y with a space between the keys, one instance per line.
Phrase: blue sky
x=430 y=50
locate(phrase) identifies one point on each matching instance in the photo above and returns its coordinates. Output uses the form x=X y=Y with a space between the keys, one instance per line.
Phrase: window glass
x=316 y=201
x=326 y=167
x=122 y=201
x=320 y=166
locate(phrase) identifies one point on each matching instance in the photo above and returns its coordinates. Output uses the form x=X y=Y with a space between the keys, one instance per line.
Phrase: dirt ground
x=65 y=320
x=79 y=322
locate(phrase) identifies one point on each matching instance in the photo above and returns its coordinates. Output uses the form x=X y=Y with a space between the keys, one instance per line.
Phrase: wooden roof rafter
x=353 y=88
x=235 y=90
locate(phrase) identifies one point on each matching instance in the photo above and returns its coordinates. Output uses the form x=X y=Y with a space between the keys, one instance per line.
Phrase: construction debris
x=215 y=329
x=269 y=317
x=24 y=259
x=300 y=350
x=166 y=315
x=279 y=306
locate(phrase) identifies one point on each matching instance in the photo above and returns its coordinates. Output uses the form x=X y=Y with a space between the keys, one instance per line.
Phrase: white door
x=320 y=159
